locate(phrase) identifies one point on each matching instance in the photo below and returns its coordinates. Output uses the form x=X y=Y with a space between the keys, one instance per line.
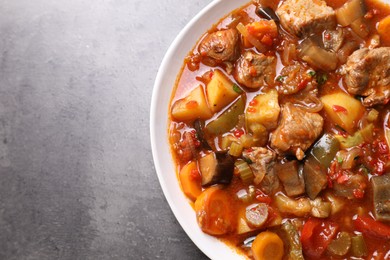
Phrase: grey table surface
x=77 y=179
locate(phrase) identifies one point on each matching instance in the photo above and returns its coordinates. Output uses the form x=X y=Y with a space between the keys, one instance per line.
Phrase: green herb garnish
x=281 y=78
x=237 y=89
x=311 y=73
x=321 y=79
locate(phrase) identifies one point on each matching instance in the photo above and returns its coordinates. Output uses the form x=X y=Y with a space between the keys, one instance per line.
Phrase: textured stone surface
x=76 y=173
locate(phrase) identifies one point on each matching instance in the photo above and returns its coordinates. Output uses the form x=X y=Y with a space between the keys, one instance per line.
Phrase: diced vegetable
x=381 y=190
x=190 y=180
x=220 y=91
x=227 y=141
x=340 y=245
x=242 y=225
x=316 y=56
x=350 y=11
x=291 y=178
x=320 y=209
x=348 y=117
x=358 y=246
x=248 y=195
x=384 y=28
x=295 y=248
x=267 y=246
x=216 y=168
x=337 y=203
x=236 y=149
x=325 y=149
x=244 y=171
x=257 y=214
x=315 y=177
x=372 y=115
x=260 y=134
x=228 y=119
x=215 y=220
x=192 y=107
x=264 y=109
x=251 y=38
x=365 y=134
x=371 y=227
x=316 y=236
x=247 y=140
x=299 y=207
x=348 y=184
x=360 y=27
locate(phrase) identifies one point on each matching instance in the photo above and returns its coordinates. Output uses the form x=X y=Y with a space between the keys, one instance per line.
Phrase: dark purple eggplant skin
x=224 y=171
x=199 y=128
x=267 y=13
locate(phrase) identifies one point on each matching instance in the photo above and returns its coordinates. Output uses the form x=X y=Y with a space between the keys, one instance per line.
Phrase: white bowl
x=163 y=87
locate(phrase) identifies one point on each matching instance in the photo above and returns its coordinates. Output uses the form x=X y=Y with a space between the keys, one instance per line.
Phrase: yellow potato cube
x=220 y=91
x=192 y=107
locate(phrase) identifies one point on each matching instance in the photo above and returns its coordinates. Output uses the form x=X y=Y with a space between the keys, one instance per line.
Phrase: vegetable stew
x=280 y=129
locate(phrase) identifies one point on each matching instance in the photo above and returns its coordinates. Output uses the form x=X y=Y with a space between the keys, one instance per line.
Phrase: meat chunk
x=297 y=131
x=220 y=46
x=367 y=73
x=381 y=189
x=304 y=17
x=254 y=70
x=263 y=161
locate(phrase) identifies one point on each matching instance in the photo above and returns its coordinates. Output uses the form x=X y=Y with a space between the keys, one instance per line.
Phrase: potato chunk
x=192 y=107
x=343 y=110
x=220 y=91
x=264 y=109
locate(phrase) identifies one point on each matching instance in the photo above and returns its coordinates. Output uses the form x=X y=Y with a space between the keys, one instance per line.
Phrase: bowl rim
x=210 y=246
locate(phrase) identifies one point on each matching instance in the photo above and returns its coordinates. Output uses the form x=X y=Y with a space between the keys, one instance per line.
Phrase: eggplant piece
x=291 y=178
x=315 y=178
x=199 y=128
x=381 y=189
x=325 y=149
x=267 y=13
x=216 y=168
x=228 y=119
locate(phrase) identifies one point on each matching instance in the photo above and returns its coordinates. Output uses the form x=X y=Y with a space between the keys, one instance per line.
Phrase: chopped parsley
x=311 y=73
x=247 y=160
x=321 y=79
x=237 y=89
x=281 y=78
x=339 y=160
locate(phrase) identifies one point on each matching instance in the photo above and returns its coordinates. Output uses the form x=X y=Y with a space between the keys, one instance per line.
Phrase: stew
x=280 y=129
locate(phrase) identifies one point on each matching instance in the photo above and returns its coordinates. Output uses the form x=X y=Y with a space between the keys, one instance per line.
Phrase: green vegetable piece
x=341 y=245
x=237 y=89
x=228 y=119
x=311 y=73
x=358 y=246
x=244 y=171
x=358 y=138
x=295 y=252
x=321 y=79
x=325 y=149
x=281 y=78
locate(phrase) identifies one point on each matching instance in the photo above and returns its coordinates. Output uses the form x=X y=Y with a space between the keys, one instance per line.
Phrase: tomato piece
x=316 y=236
x=337 y=108
x=372 y=227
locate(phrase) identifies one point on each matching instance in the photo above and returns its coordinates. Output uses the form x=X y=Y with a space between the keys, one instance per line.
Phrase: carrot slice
x=267 y=246
x=384 y=29
x=214 y=211
x=190 y=180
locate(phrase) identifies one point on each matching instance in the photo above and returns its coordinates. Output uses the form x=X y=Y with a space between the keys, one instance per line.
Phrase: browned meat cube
x=263 y=161
x=368 y=74
x=255 y=70
x=304 y=17
x=381 y=188
x=292 y=181
x=297 y=131
x=220 y=46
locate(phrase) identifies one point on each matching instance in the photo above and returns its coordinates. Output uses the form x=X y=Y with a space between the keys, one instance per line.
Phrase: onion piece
x=289 y=53
x=350 y=11
x=359 y=26
x=255 y=42
x=317 y=57
x=311 y=103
